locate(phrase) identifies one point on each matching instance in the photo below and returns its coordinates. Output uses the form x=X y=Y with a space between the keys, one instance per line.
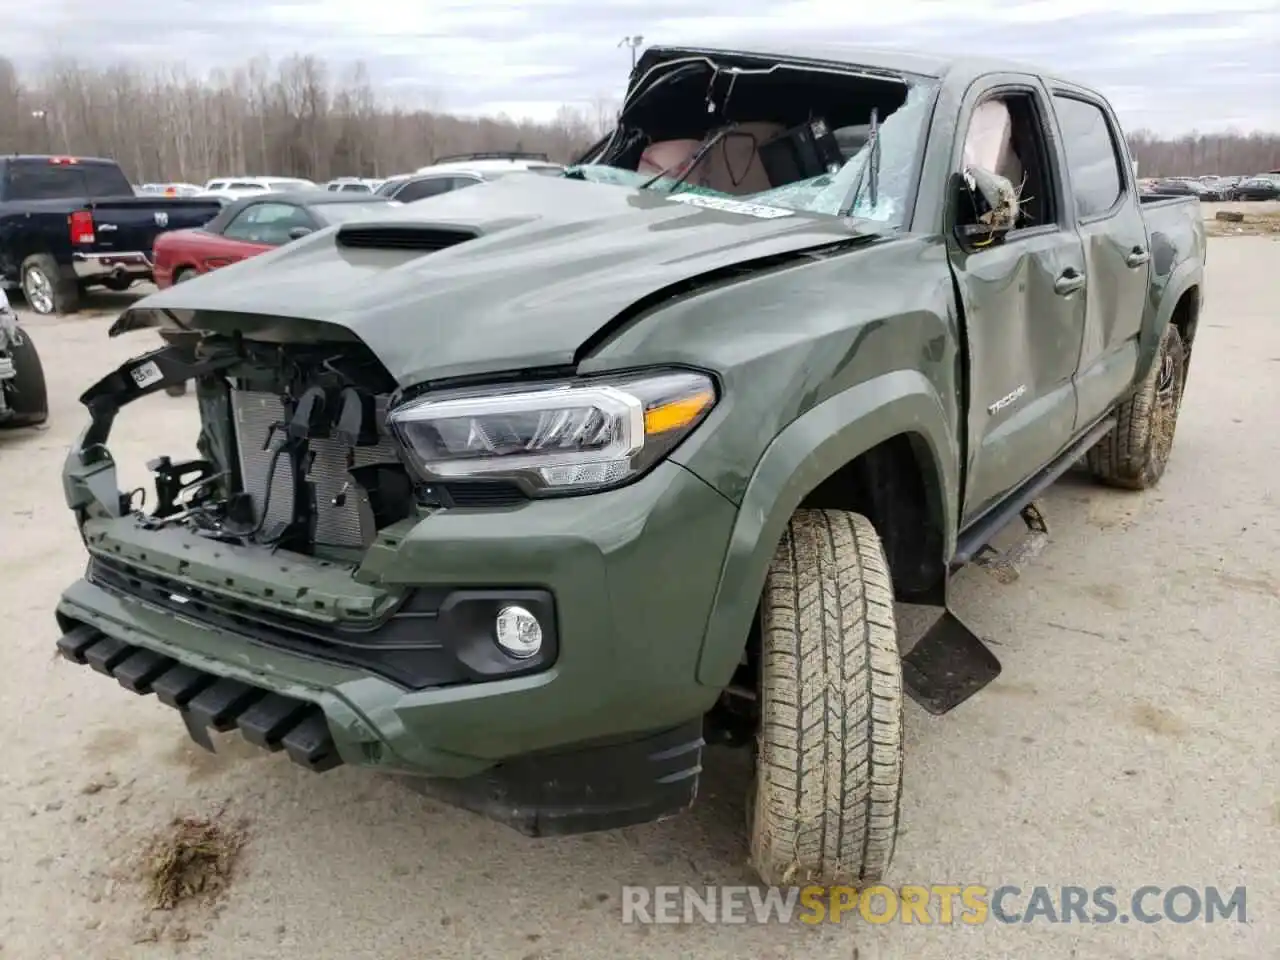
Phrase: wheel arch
x=1180 y=305
x=1186 y=316
x=886 y=448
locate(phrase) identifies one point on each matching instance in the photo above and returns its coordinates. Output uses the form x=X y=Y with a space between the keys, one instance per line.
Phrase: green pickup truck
x=528 y=492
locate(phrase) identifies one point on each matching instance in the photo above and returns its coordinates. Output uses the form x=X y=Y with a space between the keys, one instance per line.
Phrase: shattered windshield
x=848 y=191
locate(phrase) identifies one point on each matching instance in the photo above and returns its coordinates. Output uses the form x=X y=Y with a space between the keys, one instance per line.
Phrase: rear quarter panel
x=1178 y=245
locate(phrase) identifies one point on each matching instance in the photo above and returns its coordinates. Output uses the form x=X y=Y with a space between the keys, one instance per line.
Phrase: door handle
x=1137 y=257
x=1069 y=282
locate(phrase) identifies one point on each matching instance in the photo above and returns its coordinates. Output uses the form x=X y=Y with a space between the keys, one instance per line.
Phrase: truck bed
x=1176 y=228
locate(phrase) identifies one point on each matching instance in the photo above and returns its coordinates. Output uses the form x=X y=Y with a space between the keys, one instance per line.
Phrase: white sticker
x=729 y=205
x=145 y=374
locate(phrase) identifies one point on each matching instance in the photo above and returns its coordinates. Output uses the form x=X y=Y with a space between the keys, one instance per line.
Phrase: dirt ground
x=1132 y=739
x=1260 y=218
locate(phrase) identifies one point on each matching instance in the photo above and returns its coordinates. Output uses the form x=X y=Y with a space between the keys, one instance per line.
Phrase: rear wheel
x=829 y=764
x=28 y=397
x=44 y=287
x=1134 y=454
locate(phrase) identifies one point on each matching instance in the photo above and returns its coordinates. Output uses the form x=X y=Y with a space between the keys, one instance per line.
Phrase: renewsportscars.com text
x=937 y=904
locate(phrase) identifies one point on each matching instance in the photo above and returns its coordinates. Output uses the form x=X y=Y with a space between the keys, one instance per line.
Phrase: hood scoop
x=402 y=236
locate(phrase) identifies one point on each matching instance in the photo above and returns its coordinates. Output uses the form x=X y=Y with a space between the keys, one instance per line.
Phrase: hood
x=546 y=263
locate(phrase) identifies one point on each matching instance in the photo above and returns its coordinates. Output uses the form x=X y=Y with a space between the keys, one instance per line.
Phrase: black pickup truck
x=69 y=223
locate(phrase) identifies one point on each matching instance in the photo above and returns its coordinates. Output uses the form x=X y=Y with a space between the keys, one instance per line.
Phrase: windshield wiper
x=870 y=172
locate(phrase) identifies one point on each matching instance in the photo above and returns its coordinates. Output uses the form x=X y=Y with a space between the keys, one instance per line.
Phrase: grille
x=348 y=525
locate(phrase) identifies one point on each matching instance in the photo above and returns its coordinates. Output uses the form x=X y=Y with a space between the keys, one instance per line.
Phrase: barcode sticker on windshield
x=145 y=374
x=730 y=205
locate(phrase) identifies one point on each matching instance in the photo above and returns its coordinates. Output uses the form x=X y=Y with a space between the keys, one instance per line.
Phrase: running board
x=950 y=663
x=977 y=537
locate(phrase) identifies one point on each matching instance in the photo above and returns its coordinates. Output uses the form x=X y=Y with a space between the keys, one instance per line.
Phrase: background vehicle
x=456 y=174
x=170 y=189
x=24 y=401
x=1180 y=187
x=494 y=160
x=252 y=225
x=233 y=188
x=1224 y=187
x=389 y=185
x=531 y=497
x=352 y=185
x=1264 y=187
x=69 y=223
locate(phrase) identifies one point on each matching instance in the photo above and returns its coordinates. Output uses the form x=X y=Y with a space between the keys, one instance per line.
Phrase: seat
x=989 y=142
x=732 y=166
x=672 y=156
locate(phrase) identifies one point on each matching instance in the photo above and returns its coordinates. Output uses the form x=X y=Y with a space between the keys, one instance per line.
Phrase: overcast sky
x=1168 y=65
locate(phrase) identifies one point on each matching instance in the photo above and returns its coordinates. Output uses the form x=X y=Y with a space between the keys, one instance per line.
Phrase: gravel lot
x=1131 y=740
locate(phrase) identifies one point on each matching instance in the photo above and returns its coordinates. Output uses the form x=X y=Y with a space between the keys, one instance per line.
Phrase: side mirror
x=985 y=205
x=297 y=233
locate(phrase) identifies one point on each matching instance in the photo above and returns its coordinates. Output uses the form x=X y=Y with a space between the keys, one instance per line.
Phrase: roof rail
x=492 y=155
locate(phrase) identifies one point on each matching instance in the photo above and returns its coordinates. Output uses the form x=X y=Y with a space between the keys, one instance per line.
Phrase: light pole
x=634 y=44
x=43 y=117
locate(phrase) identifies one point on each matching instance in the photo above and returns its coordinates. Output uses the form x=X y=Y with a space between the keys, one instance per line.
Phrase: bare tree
x=298 y=117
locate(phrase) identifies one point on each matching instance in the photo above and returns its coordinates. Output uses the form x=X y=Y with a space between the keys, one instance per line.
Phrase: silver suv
x=467 y=170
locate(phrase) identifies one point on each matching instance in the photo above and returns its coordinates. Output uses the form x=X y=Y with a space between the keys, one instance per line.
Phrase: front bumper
x=598 y=786
x=632 y=572
x=629 y=576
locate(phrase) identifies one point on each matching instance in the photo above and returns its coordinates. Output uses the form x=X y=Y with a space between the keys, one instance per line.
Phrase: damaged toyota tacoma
x=526 y=493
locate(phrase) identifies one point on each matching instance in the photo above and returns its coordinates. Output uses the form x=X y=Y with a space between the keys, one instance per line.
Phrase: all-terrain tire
x=1133 y=455
x=47 y=292
x=828 y=777
x=29 y=399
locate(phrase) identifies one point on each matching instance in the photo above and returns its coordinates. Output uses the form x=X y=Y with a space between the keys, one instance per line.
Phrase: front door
x=1023 y=299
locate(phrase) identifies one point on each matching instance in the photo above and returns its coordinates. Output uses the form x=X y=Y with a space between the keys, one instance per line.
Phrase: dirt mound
x=192 y=860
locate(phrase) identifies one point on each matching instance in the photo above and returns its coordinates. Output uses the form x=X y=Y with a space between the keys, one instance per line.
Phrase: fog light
x=518 y=631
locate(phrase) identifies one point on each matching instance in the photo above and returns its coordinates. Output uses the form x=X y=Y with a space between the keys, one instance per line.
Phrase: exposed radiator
x=348 y=525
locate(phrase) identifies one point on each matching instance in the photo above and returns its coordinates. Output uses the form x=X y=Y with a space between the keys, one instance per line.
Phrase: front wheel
x=1133 y=455
x=829 y=758
x=29 y=397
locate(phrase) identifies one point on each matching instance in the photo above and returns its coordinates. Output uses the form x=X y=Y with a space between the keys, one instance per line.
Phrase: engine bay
x=295 y=452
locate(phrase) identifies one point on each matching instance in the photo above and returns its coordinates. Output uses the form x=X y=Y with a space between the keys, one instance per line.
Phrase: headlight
x=571 y=436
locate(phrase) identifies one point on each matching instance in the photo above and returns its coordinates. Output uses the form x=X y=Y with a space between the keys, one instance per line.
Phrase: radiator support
x=343 y=513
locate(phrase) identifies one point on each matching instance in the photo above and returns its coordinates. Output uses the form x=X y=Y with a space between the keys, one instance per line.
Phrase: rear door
x=1108 y=216
x=1023 y=296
